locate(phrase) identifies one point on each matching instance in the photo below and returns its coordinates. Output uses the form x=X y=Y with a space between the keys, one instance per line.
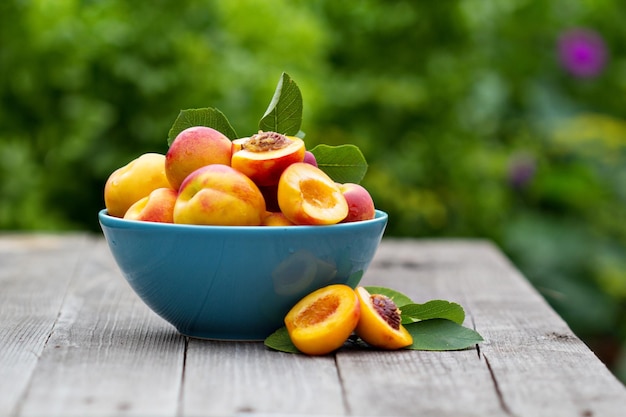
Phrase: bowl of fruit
x=222 y=235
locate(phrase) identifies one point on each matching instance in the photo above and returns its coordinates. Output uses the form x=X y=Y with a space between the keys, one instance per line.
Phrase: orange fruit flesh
x=322 y=321
x=307 y=195
x=375 y=330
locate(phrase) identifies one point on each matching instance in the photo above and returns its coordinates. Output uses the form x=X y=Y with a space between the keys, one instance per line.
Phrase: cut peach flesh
x=323 y=320
x=307 y=195
x=265 y=167
x=375 y=330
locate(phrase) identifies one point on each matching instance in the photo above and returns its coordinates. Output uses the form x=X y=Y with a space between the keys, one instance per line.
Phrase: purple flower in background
x=582 y=52
x=522 y=169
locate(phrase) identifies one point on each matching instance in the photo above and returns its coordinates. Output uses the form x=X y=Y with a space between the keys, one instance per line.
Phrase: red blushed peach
x=219 y=195
x=263 y=157
x=134 y=181
x=307 y=195
x=360 y=202
x=156 y=207
x=194 y=148
x=309 y=158
x=273 y=218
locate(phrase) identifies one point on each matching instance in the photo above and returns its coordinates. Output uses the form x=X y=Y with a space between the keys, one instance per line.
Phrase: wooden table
x=76 y=341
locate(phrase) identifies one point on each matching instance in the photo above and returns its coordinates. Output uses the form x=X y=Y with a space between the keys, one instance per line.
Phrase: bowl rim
x=106 y=220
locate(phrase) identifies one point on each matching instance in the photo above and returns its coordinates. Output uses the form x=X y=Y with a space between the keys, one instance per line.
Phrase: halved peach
x=264 y=156
x=307 y=195
x=322 y=321
x=380 y=322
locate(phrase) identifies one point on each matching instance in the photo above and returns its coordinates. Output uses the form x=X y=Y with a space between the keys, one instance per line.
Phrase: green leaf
x=280 y=341
x=441 y=334
x=397 y=297
x=434 y=309
x=209 y=117
x=284 y=113
x=343 y=163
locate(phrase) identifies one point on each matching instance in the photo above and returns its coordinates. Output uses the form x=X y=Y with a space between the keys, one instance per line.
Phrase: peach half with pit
x=134 y=181
x=158 y=206
x=380 y=324
x=360 y=202
x=308 y=196
x=194 y=148
x=263 y=157
x=219 y=195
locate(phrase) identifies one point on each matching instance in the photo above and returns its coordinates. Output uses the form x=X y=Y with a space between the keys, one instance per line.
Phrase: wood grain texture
x=538 y=367
x=106 y=354
x=76 y=341
x=29 y=304
x=228 y=378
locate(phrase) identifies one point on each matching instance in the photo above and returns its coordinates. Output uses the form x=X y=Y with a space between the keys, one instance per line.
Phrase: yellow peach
x=273 y=218
x=219 y=195
x=194 y=148
x=322 y=321
x=134 y=181
x=158 y=206
x=307 y=195
x=380 y=322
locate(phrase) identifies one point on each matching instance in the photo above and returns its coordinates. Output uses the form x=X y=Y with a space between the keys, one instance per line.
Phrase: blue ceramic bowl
x=236 y=282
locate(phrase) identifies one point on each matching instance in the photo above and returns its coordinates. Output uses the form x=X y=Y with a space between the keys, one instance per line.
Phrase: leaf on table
x=280 y=341
x=208 y=116
x=343 y=163
x=441 y=334
x=397 y=297
x=434 y=309
x=284 y=113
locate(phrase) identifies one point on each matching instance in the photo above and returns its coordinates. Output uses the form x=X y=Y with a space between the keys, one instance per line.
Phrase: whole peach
x=219 y=195
x=134 y=181
x=360 y=202
x=275 y=218
x=309 y=158
x=194 y=148
x=156 y=207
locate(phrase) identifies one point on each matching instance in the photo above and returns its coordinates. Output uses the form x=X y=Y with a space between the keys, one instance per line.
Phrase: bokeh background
x=502 y=120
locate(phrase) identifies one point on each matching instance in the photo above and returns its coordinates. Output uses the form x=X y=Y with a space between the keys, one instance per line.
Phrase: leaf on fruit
x=280 y=341
x=284 y=113
x=343 y=163
x=397 y=297
x=434 y=309
x=208 y=116
x=441 y=334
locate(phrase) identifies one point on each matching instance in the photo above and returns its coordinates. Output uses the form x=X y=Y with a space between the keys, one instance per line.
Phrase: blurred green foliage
x=471 y=124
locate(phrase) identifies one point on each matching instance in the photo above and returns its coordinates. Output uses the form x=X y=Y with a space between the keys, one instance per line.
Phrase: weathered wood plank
x=34 y=273
x=75 y=340
x=107 y=354
x=229 y=378
x=537 y=365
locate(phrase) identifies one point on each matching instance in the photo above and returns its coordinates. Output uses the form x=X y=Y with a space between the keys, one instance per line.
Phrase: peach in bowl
x=236 y=282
